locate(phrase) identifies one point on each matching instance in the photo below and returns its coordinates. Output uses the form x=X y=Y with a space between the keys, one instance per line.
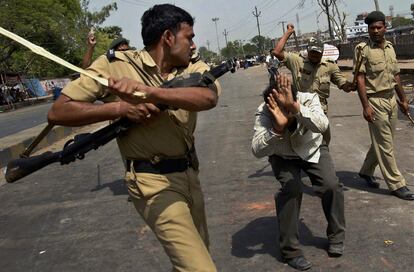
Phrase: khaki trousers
x=382 y=132
x=173 y=207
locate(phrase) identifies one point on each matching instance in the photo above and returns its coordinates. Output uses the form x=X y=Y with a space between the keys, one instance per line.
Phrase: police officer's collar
x=375 y=44
x=149 y=61
x=322 y=62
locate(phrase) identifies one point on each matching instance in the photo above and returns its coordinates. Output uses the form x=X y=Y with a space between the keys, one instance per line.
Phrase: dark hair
x=160 y=18
x=266 y=93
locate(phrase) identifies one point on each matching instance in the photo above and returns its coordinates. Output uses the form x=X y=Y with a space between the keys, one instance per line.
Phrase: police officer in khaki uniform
x=378 y=80
x=161 y=164
x=312 y=73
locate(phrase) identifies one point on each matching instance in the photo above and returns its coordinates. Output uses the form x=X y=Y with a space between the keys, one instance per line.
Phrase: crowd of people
x=9 y=95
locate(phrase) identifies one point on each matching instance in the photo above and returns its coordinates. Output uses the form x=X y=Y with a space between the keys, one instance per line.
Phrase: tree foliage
x=59 y=26
x=207 y=55
x=401 y=21
x=238 y=49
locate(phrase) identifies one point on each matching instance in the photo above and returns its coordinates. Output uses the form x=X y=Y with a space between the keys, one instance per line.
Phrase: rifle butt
x=19 y=168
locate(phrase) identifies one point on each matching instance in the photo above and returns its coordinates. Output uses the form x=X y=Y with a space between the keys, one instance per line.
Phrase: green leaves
x=59 y=26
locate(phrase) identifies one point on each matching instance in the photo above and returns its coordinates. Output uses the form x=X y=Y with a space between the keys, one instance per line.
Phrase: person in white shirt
x=289 y=132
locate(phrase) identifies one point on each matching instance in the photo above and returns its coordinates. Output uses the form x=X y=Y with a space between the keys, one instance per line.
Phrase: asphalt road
x=15 y=121
x=76 y=217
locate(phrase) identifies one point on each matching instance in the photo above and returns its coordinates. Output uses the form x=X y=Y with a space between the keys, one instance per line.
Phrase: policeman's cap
x=118 y=41
x=374 y=16
x=315 y=45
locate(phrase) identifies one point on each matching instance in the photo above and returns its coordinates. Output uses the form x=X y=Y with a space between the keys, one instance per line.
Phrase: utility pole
x=257 y=14
x=225 y=33
x=297 y=24
x=208 y=45
x=326 y=4
x=241 y=45
x=215 y=19
x=376 y=5
x=283 y=26
x=392 y=11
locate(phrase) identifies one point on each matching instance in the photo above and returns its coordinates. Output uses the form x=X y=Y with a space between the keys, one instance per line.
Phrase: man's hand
x=349 y=87
x=139 y=113
x=369 y=114
x=290 y=28
x=125 y=89
x=284 y=96
x=403 y=105
x=91 y=40
x=280 y=119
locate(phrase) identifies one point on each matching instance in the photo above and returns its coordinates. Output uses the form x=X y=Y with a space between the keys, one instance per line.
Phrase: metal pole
x=326 y=5
x=376 y=5
x=225 y=33
x=218 y=44
x=241 y=44
x=256 y=14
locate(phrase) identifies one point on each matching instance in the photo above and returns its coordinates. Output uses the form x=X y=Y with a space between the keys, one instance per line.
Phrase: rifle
x=77 y=147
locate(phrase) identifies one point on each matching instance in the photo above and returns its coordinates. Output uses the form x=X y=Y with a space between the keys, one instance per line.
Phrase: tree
x=60 y=26
x=207 y=55
x=401 y=21
x=231 y=50
x=265 y=41
x=337 y=18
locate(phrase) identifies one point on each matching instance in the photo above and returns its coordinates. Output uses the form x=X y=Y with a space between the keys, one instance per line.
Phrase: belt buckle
x=156 y=159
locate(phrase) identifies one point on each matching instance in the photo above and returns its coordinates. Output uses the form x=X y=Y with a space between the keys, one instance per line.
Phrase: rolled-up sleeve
x=85 y=88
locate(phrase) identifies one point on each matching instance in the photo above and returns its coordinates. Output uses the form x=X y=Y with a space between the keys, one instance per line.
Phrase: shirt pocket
x=377 y=65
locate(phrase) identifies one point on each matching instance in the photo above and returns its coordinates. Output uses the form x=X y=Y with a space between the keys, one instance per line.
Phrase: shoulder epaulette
x=362 y=45
x=110 y=54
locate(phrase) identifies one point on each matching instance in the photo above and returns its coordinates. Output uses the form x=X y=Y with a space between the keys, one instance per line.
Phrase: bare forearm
x=399 y=90
x=87 y=59
x=67 y=112
x=191 y=99
x=362 y=92
x=278 y=50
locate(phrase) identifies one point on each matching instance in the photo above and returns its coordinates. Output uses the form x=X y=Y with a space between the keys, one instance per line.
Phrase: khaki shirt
x=314 y=78
x=169 y=135
x=379 y=66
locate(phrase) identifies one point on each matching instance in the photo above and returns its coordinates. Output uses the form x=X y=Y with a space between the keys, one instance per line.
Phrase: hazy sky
x=236 y=16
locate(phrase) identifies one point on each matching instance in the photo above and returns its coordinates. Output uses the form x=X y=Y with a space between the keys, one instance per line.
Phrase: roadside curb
x=13 y=151
x=28 y=102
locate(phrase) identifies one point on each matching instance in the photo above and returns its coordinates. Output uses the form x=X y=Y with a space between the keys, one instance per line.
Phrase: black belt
x=164 y=166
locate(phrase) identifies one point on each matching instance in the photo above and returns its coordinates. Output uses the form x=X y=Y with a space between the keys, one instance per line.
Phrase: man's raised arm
x=278 y=50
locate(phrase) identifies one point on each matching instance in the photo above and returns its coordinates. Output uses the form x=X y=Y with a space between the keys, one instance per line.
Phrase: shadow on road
x=262 y=173
x=352 y=180
x=117 y=187
x=260 y=236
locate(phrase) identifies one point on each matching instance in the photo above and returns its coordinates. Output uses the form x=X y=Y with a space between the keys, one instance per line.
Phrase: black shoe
x=299 y=263
x=336 y=250
x=403 y=193
x=370 y=180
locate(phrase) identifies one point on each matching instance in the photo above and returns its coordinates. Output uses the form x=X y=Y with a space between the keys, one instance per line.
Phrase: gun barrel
x=19 y=168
